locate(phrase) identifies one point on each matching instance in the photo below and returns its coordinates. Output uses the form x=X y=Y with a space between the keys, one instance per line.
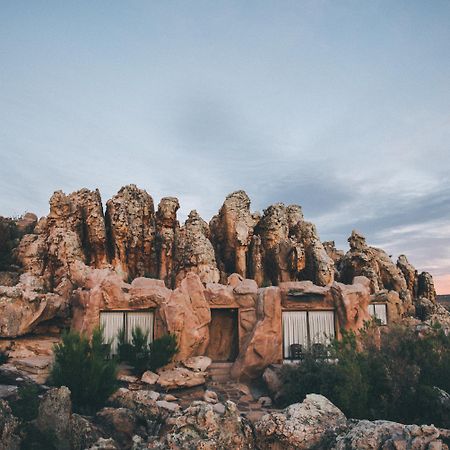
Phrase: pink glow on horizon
x=442 y=284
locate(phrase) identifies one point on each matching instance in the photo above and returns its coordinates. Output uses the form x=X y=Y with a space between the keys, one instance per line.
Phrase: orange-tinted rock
x=232 y=231
x=351 y=302
x=167 y=227
x=130 y=217
x=195 y=252
x=425 y=287
x=263 y=344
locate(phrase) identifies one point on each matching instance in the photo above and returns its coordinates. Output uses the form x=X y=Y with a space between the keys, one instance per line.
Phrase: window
x=306 y=328
x=114 y=321
x=379 y=311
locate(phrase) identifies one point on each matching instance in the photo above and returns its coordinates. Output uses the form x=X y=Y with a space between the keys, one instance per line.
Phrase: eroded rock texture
x=79 y=258
x=131 y=220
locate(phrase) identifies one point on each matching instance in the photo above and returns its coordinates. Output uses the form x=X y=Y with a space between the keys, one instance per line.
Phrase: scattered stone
x=149 y=377
x=128 y=378
x=198 y=363
x=170 y=398
x=170 y=406
x=104 y=444
x=180 y=377
x=210 y=397
x=219 y=408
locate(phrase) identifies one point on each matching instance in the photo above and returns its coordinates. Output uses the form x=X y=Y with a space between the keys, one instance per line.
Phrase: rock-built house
x=131 y=266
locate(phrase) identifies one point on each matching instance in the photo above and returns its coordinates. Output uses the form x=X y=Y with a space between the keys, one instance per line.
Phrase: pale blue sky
x=340 y=106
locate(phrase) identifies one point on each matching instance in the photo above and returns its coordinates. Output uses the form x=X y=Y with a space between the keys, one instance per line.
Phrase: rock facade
x=80 y=260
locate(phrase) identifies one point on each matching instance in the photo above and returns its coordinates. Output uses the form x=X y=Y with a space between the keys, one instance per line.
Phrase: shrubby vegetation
x=395 y=377
x=143 y=356
x=84 y=366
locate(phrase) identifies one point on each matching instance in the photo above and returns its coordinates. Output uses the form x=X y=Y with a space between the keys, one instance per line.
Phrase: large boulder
x=312 y=424
x=200 y=427
x=180 y=377
x=382 y=435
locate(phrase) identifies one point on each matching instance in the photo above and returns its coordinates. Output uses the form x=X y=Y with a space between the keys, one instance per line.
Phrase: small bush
x=162 y=351
x=85 y=368
x=399 y=379
x=143 y=356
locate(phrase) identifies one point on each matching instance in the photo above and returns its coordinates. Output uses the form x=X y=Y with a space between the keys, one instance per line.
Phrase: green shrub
x=124 y=349
x=143 y=356
x=162 y=350
x=26 y=405
x=85 y=368
x=398 y=379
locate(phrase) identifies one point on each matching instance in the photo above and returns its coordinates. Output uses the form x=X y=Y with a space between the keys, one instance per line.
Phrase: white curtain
x=143 y=320
x=380 y=313
x=372 y=310
x=295 y=330
x=321 y=327
x=111 y=322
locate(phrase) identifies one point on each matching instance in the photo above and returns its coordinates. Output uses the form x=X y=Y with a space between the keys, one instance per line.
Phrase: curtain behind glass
x=321 y=327
x=295 y=330
x=143 y=320
x=111 y=322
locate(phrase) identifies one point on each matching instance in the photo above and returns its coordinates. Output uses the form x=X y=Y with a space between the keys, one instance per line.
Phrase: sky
x=342 y=107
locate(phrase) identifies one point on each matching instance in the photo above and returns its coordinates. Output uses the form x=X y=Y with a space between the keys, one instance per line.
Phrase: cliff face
x=57 y=253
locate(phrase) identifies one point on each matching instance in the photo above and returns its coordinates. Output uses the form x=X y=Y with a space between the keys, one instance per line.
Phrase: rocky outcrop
x=130 y=219
x=377 y=266
x=312 y=424
x=425 y=287
x=167 y=227
x=195 y=252
x=232 y=231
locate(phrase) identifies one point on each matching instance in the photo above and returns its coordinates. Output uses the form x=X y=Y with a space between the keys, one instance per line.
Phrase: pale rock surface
x=149 y=377
x=381 y=435
x=312 y=424
x=200 y=427
x=180 y=377
x=198 y=363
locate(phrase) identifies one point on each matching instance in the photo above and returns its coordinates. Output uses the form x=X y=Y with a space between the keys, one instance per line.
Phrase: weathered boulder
x=381 y=435
x=197 y=363
x=200 y=427
x=9 y=428
x=149 y=377
x=25 y=305
x=180 y=377
x=272 y=378
x=55 y=415
x=312 y=424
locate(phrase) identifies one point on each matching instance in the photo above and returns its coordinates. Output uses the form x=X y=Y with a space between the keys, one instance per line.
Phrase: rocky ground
x=206 y=419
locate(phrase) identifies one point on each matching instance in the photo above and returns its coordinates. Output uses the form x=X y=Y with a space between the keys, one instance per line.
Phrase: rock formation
x=130 y=219
x=67 y=267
